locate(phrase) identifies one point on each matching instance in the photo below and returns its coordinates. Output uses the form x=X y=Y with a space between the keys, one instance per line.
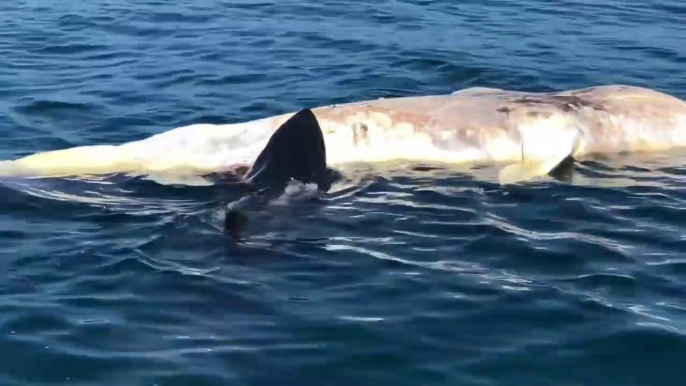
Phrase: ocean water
x=403 y=274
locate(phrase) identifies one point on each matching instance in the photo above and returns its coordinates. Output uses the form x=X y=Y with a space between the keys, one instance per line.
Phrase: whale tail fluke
x=546 y=144
x=528 y=170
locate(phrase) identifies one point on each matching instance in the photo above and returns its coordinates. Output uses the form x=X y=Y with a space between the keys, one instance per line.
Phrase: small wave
x=48 y=107
x=70 y=49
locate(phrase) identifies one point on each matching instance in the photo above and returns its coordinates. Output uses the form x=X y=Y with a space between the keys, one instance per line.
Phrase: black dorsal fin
x=295 y=151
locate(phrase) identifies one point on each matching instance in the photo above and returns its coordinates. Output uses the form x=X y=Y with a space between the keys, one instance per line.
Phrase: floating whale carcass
x=528 y=133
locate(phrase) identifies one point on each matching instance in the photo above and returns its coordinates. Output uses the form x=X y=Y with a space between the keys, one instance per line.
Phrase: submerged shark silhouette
x=295 y=152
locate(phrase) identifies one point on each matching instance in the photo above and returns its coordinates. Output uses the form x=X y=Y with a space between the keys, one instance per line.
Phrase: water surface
x=404 y=274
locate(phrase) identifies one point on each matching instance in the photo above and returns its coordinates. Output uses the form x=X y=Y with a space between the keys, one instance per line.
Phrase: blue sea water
x=411 y=275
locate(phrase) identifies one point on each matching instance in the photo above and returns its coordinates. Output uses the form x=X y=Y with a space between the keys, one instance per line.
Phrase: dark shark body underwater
x=296 y=151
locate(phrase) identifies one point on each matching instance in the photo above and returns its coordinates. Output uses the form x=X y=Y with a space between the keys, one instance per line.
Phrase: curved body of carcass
x=530 y=133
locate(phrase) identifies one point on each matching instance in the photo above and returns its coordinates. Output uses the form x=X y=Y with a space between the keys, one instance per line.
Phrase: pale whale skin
x=530 y=133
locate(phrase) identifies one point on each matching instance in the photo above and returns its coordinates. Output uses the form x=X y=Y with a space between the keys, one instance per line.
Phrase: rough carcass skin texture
x=472 y=125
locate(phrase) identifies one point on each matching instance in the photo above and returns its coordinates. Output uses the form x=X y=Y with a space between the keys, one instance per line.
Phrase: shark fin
x=295 y=151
